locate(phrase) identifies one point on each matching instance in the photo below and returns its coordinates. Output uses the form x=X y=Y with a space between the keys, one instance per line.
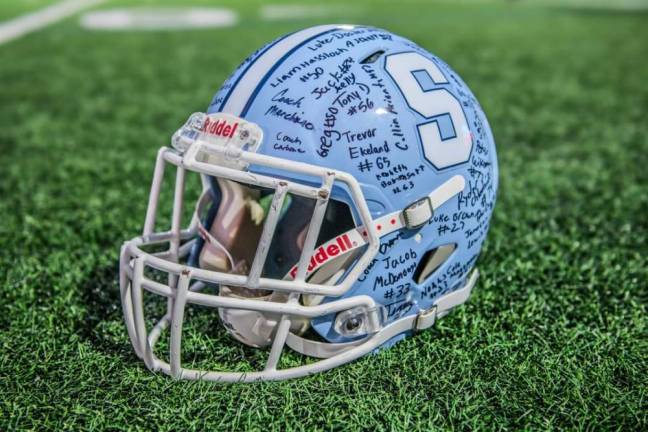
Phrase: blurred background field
x=555 y=334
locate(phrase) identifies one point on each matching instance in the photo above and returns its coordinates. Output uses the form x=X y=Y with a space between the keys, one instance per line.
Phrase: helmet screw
x=352 y=324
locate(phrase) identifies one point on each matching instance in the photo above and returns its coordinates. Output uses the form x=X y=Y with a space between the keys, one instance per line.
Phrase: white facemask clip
x=217 y=139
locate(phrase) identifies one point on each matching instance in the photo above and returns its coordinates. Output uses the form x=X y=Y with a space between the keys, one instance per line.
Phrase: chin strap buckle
x=425 y=319
x=418 y=213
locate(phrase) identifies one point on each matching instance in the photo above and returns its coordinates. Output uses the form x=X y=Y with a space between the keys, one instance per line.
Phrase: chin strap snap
x=425 y=319
x=444 y=304
x=418 y=213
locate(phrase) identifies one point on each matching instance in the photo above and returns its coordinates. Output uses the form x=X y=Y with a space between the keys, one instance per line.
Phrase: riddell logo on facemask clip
x=325 y=253
x=219 y=128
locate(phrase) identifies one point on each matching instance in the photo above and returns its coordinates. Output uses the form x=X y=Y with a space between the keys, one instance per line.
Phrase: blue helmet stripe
x=242 y=75
x=237 y=100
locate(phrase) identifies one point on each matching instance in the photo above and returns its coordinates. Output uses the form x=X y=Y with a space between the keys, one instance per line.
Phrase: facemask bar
x=321 y=195
x=178 y=290
x=133 y=282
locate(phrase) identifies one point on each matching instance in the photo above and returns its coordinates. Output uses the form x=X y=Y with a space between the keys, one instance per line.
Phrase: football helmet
x=348 y=179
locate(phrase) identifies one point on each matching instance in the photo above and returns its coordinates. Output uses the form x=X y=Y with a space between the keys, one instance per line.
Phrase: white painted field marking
x=279 y=12
x=158 y=18
x=617 y=5
x=31 y=22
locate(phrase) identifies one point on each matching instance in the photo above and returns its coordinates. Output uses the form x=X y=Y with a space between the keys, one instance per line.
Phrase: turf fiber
x=554 y=336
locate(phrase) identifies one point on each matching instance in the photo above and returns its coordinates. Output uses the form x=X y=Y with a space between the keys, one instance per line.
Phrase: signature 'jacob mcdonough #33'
x=348 y=180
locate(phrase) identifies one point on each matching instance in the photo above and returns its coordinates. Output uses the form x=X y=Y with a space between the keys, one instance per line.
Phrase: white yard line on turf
x=34 y=21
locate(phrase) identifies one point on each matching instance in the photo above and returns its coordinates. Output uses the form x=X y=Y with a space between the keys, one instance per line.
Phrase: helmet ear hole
x=432 y=260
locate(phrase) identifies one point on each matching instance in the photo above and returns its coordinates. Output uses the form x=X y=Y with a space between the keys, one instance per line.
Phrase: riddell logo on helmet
x=323 y=254
x=219 y=128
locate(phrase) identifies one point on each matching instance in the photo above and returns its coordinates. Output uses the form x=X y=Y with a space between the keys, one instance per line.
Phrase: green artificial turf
x=554 y=336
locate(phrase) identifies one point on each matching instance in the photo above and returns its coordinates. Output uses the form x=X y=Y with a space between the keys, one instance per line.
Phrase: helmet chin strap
x=421 y=321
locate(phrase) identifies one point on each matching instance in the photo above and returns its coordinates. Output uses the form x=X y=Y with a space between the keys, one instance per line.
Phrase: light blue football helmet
x=349 y=177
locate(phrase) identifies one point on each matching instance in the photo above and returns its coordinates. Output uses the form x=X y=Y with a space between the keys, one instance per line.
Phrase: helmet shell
x=343 y=99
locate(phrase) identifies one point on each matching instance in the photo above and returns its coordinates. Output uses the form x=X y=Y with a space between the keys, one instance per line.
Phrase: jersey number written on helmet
x=445 y=134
